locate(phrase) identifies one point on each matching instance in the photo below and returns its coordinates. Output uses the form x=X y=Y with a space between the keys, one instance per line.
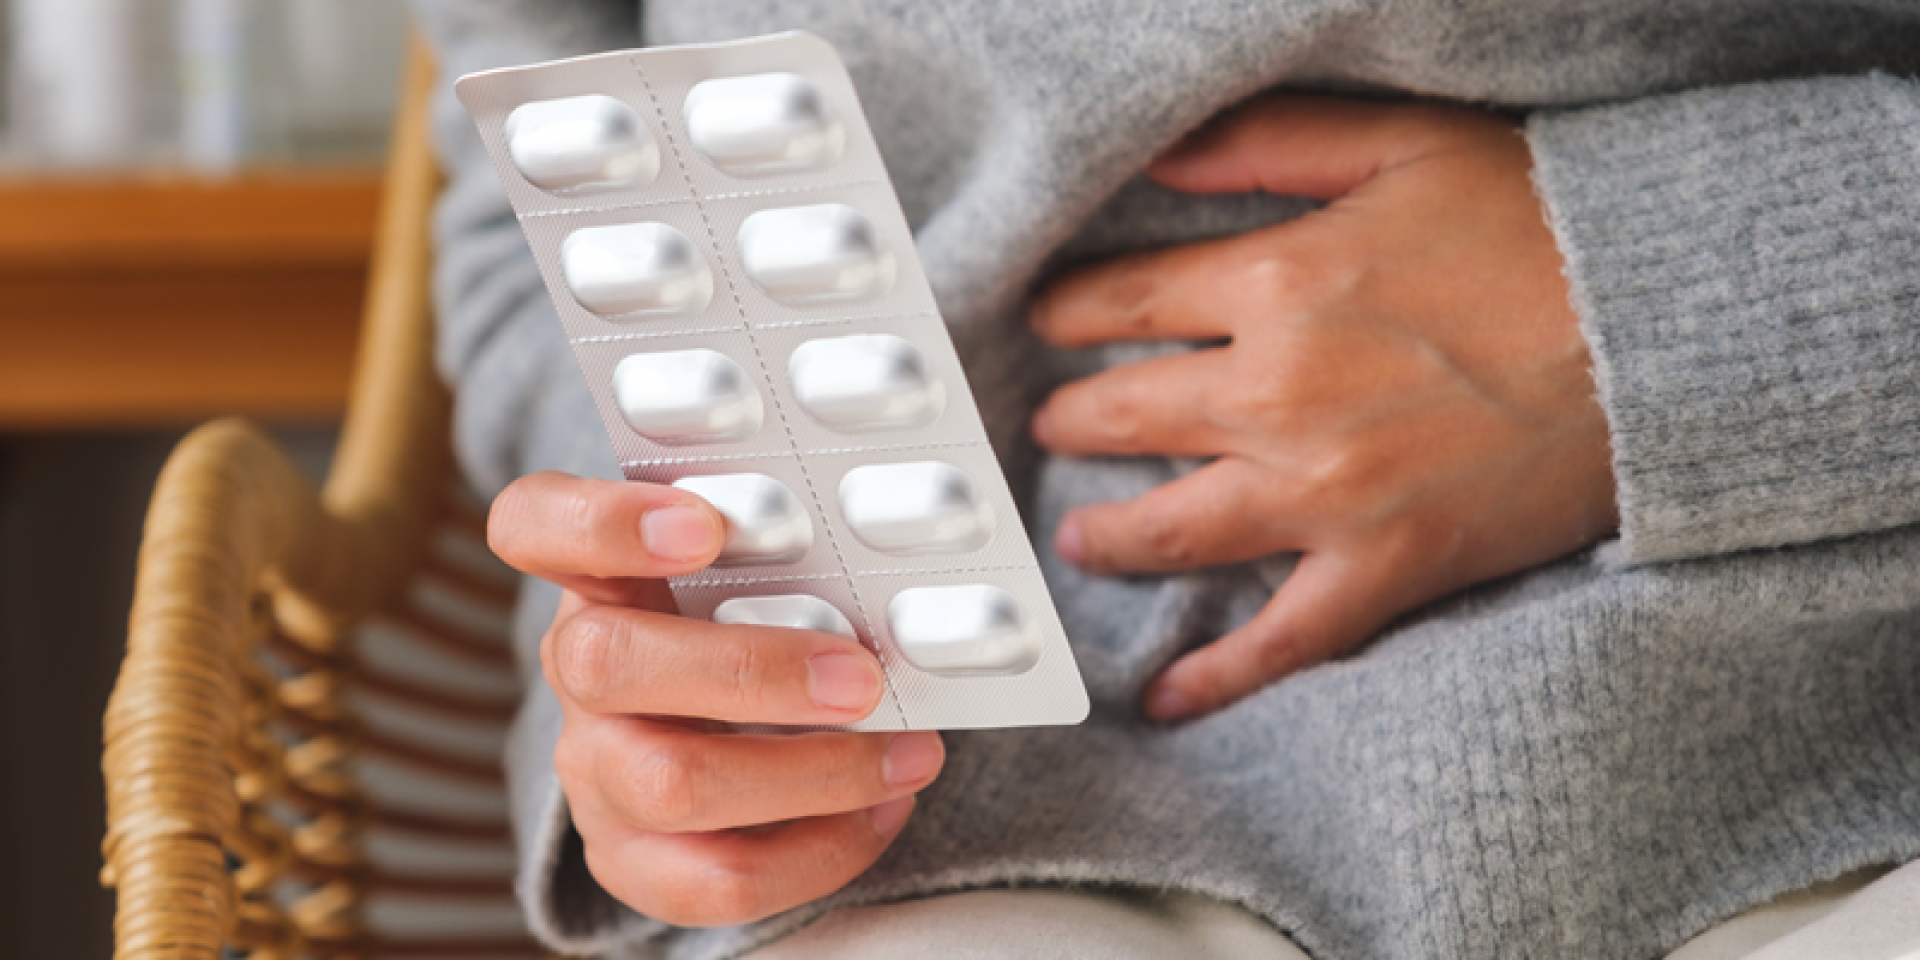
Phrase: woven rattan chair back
x=301 y=751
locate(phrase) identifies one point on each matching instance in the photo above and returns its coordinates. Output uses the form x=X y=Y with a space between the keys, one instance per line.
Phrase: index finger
x=561 y=527
x=1319 y=147
x=612 y=660
x=1191 y=292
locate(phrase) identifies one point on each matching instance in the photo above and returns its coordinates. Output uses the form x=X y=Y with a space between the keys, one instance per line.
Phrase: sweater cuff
x=1746 y=266
x=566 y=909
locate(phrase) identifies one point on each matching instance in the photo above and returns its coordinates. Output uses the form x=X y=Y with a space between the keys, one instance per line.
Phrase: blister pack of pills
x=730 y=261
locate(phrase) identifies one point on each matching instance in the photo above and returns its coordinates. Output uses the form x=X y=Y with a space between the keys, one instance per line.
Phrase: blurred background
x=187 y=194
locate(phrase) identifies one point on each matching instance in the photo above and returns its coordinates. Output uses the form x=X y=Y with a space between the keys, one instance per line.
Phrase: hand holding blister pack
x=719 y=235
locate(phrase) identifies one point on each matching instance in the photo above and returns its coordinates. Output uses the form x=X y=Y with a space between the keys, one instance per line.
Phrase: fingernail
x=841 y=681
x=912 y=758
x=678 y=533
x=889 y=817
x=1167 y=705
x=1069 y=542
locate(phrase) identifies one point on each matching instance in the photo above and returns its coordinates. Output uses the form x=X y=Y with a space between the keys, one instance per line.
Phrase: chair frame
x=239 y=549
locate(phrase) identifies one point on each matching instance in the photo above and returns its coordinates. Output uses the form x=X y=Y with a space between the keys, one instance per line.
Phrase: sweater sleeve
x=499 y=342
x=520 y=406
x=1746 y=265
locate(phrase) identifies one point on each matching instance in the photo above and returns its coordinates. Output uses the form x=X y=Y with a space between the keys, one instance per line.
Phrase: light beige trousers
x=1868 y=915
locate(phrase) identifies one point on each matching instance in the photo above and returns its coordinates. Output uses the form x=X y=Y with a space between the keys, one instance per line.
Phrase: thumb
x=1329 y=605
x=1316 y=147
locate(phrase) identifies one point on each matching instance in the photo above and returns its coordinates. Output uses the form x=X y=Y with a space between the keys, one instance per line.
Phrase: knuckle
x=1113 y=294
x=610 y=871
x=1420 y=541
x=585 y=659
x=1308 y=280
x=503 y=525
x=549 y=641
x=850 y=771
x=1338 y=469
x=665 y=787
x=722 y=893
x=1166 y=534
x=726 y=890
x=744 y=666
x=586 y=518
x=1275 y=654
x=1113 y=411
x=1210 y=679
x=570 y=761
x=510 y=518
x=1050 y=308
x=1124 y=287
x=1269 y=394
x=1286 y=278
x=1343 y=480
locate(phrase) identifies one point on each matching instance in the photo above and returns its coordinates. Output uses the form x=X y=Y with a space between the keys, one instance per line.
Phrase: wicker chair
x=302 y=746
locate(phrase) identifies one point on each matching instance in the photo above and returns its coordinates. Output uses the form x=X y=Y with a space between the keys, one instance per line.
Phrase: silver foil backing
x=721 y=241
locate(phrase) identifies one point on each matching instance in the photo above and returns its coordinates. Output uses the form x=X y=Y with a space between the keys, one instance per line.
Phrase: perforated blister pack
x=729 y=259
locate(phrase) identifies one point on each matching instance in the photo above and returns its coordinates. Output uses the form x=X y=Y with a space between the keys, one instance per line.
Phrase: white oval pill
x=578 y=146
x=687 y=396
x=765 y=125
x=636 y=270
x=766 y=523
x=826 y=253
x=874 y=381
x=797 y=611
x=974 y=630
x=907 y=509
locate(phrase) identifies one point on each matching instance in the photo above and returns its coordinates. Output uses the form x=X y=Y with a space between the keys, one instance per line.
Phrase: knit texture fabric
x=1597 y=758
x=1756 y=337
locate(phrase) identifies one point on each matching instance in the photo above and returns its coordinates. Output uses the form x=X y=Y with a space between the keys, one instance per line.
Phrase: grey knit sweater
x=1596 y=758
